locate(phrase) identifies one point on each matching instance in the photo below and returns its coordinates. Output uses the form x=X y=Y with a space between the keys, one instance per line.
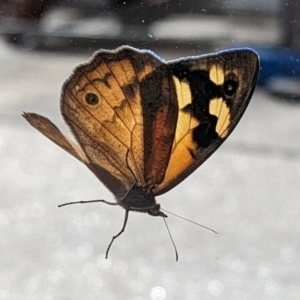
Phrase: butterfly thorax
x=142 y=200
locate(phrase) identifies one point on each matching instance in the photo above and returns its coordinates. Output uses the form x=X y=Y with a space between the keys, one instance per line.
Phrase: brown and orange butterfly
x=143 y=125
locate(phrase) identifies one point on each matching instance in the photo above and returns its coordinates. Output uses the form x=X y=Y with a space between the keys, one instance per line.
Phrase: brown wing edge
x=121 y=52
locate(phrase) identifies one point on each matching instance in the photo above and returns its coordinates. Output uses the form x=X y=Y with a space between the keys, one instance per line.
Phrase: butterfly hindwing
x=213 y=92
x=47 y=128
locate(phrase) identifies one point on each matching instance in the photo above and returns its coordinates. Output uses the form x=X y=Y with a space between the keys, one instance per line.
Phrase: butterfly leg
x=122 y=230
x=88 y=201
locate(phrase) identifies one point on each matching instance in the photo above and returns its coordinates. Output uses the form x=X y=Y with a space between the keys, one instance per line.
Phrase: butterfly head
x=155 y=211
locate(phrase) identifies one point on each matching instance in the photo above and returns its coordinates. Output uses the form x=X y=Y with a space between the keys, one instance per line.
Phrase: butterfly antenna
x=88 y=201
x=190 y=221
x=114 y=237
x=176 y=253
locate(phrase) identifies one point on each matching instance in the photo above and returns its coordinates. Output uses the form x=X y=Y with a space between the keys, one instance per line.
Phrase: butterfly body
x=143 y=124
x=141 y=200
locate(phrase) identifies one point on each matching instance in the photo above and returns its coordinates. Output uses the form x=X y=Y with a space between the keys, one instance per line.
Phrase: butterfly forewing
x=121 y=107
x=213 y=92
x=160 y=111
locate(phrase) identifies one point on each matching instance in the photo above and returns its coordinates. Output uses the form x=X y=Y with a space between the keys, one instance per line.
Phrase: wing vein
x=95 y=119
x=113 y=162
x=128 y=102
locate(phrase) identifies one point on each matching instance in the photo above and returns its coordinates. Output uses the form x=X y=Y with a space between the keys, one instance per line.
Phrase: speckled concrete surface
x=248 y=191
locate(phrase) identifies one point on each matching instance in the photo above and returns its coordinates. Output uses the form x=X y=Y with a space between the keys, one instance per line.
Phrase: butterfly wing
x=141 y=121
x=47 y=128
x=213 y=92
x=121 y=107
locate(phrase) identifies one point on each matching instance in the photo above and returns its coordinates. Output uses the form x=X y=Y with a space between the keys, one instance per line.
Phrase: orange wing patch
x=219 y=108
x=216 y=74
x=183 y=146
x=186 y=152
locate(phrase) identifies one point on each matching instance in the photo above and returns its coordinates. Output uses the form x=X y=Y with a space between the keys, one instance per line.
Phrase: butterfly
x=143 y=125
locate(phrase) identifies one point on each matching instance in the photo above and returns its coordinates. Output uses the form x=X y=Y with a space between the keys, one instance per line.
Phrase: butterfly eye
x=230 y=87
x=91 y=99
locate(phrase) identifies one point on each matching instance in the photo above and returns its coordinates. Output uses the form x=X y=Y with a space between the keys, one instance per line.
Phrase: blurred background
x=248 y=190
x=270 y=26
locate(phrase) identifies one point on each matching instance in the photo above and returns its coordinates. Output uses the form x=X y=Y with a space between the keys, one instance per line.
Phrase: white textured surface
x=248 y=191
